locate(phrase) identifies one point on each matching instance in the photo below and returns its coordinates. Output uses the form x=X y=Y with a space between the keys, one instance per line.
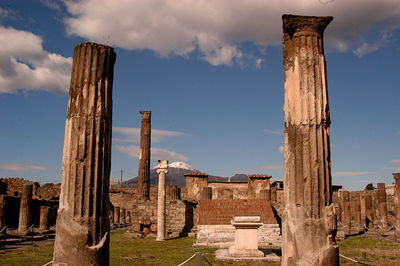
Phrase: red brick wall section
x=222 y=211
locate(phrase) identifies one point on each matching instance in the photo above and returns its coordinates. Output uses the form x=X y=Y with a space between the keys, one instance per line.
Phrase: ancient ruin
x=83 y=227
x=143 y=185
x=309 y=223
x=396 y=177
x=162 y=171
x=25 y=217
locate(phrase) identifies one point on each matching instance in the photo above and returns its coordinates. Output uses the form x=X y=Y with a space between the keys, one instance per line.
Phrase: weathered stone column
x=3 y=220
x=143 y=187
x=396 y=177
x=309 y=223
x=346 y=212
x=25 y=214
x=161 y=206
x=117 y=217
x=355 y=207
x=382 y=205
x=44 y=218
x=369 y=217
x=83 y=227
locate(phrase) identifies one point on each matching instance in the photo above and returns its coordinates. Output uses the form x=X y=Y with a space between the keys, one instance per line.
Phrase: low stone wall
x=222 y=211
x=223 y=236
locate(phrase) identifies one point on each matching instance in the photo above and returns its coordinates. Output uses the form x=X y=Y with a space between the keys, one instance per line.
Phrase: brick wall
x=222 y=211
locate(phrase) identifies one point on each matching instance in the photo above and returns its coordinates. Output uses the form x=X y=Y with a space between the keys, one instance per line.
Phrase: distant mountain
x=175 y=176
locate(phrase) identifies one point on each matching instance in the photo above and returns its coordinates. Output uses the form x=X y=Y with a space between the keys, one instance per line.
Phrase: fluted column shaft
x=83 y=227
x=309 y=223
x=161 y=204
x=25 y=215
x=143 y=188
x=396 y=177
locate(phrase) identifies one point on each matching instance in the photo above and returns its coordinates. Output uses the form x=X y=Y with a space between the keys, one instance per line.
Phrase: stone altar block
x=246 y=242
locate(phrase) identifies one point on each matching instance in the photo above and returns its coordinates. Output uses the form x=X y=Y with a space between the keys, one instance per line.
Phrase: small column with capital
x=162 y=171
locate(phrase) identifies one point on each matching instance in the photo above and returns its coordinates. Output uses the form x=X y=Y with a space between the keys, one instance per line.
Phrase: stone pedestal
x=143 y=187
x=309 y=223
x=44 y=218
x=83 y=226
x=246 y=241
x=162 y=171
x=25 y=214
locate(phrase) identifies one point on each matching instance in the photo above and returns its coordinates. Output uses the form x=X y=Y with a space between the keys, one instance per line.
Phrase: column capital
x=146 y=115
x=162 y=166
x=293 y=24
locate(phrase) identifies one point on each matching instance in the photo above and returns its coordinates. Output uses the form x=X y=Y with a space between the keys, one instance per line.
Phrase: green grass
x=147 y=251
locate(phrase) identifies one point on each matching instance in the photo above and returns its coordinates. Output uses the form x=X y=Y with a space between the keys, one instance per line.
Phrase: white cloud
x=257 y=169
x=21 y=167
x=156 y=153
x=217 y=28
x=24 y=65
x=132 y=134
x=346 y=174
x=281 y=149
x=275 y=132
x=51 y=4
x=366 y=48
x=394 y=161
x=397 y=169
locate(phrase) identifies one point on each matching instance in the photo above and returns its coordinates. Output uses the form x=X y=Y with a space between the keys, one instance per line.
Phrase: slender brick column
x=309 y=223
x=382 y=205
x=44 y=218
x=25 y=215
x=396 y=177
x=143 y=188
x=83 y=227
x=117 y=215
x=161 y=206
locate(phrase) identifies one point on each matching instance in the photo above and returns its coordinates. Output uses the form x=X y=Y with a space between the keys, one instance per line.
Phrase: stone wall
x=221 y=211
x=231 y=190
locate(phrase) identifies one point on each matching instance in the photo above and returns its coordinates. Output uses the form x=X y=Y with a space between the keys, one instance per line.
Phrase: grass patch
x=147 y=251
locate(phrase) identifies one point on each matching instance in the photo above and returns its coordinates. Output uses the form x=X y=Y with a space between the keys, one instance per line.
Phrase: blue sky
x=211 y=72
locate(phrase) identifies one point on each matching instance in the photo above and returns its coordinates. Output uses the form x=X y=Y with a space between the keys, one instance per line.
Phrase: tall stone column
x=44 y=218
x=25 y=215
x=355 y=209
x=346 y=212
x=369 y=217
x=3 y=220
x=396 y=177
x=161 y=206
x=83 y=227
x=309 y=223
x=143 y=187
x=382 y=205
x=117 y=213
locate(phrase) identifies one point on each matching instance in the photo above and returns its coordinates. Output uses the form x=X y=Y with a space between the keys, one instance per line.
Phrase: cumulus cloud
x=21 y=167
x=217 y=28
x=156 y=153
x=132 y=134
x=25 y=65
x=257 y=169
x=347 y=174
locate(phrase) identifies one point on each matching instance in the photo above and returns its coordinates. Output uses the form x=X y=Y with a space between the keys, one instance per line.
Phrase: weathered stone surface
x=195 y=182
x=44 y=218
x=206 y=193
x=256 y=183
x=3 y=220
x=83 y=227
x=25 y=215
x=309 y=223
x=396 y=177
x=143 y=186
x=161 y=207
x=382 y=205
x=117 y=215
x=174 y=192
